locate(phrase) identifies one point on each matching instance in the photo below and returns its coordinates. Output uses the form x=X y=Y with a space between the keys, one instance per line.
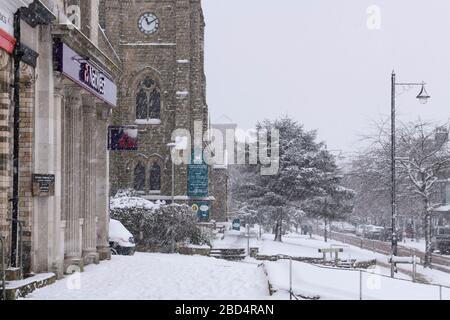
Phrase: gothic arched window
x=139 y=177
x=148 y=100
x=155 y=177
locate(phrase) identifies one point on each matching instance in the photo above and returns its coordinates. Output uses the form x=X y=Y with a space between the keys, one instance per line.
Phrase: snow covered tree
x=333 y=203
x=304 y=169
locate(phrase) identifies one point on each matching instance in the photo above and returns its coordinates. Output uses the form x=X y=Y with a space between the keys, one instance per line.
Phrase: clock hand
x=152 y=21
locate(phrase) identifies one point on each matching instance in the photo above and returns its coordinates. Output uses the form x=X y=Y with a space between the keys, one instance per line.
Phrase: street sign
x=237 y=224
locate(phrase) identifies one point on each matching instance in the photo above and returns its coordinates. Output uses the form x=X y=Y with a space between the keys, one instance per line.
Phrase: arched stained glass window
x=139 y=177
x=148 y=100
x=155 y=177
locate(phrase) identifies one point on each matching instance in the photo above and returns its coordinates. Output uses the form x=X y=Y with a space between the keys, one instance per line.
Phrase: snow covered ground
x=148 y=276
x=333 y=284
x=296 y=245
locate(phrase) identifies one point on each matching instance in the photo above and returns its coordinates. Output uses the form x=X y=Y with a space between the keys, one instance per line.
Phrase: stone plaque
x=43 y=185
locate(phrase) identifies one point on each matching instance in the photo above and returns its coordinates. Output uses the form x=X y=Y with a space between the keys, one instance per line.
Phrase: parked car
x=387 y=236
x=121 y=240
x=343 y=227
x=361 y=230
x=370 y=232
x=440 y=240
x=375 y=233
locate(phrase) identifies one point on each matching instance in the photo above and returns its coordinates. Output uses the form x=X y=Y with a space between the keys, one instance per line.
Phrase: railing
x=361 y=278
x=2 y=266
x=440 y=263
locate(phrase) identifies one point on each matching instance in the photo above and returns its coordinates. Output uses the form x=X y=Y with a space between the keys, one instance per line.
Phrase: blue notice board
x=198 y=180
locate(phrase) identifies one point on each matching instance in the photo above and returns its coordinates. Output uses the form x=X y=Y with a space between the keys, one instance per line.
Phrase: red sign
x=7 y=41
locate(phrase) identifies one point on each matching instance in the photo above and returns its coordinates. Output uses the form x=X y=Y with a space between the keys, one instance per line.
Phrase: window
x=148 y=100
x=155 y=177
x=139 y=177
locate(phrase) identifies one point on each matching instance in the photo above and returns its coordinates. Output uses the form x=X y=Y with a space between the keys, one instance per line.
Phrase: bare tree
x=424 y=155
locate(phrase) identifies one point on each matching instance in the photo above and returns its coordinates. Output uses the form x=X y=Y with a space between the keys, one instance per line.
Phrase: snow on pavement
x=334 y=284
x=147 y=276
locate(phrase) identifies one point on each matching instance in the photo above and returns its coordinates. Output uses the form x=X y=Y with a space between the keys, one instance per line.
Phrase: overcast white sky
x=317 y=61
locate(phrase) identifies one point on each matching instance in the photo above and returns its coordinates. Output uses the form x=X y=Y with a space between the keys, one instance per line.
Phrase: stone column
x=72 y=175
x=58 y=228
x=88 y=177
x=102 y=182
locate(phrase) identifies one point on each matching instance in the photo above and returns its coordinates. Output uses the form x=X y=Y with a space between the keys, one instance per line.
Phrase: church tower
x=160 y=44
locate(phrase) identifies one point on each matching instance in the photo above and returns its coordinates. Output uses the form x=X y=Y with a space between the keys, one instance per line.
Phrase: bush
x=154 y=225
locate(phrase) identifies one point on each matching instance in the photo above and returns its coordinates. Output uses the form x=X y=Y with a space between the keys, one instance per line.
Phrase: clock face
x=148 y=23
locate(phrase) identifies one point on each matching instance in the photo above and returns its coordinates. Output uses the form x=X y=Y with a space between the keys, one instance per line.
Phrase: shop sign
x=7 y=40
x=86 y=73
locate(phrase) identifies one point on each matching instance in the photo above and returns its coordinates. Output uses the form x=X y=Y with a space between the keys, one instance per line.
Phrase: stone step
x=230 y=257
x=228 y=250
x=21 y=288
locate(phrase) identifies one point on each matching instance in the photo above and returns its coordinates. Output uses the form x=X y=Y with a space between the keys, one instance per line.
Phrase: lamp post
x=172 y=146
x=423 y=97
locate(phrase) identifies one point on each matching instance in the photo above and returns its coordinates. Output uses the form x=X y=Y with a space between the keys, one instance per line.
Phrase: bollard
x=2 y=266
x=248 y=239
x=290 y=278
x=360 y=284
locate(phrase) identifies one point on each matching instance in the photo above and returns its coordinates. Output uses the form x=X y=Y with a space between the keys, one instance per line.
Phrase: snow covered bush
x=157 y=226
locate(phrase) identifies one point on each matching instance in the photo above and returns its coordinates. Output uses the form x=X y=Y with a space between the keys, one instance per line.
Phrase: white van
x=121 y=240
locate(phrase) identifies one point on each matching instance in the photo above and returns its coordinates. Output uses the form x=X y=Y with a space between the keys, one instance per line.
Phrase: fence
x=362 y=278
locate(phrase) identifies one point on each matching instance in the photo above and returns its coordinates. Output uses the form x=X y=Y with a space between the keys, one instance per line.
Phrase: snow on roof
x=117 y=230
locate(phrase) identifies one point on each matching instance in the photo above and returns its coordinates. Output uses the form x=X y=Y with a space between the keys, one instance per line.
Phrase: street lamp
x=172 y=146
x=423 y=97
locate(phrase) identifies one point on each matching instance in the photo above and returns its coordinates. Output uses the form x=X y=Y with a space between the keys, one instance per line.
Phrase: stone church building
x=162 y=88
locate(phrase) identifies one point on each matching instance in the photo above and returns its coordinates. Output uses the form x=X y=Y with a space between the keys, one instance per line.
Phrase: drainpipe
x=2 y=266
x=15 y=197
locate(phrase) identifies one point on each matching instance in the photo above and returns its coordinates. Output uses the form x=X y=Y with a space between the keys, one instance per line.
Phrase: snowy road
x=161 y=277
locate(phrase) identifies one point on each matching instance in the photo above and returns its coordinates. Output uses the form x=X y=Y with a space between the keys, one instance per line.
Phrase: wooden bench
x=336 y=252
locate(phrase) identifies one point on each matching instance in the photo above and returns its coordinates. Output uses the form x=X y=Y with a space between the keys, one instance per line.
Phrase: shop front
x=88 y=93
